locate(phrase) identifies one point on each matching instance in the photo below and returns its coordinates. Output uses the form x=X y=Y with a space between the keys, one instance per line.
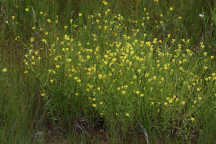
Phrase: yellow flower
x=88 y=57
x=170 y=100
x=42 y=94
x=134 y=77
x=98 y=88
x=32 y=39
x=44 y=41
x=127 y=114
x=79 y=80
x=100 y=76
x=4 y=70
x=199 y=98
x=51 y=81
x=205 y=53
x=171 y=8
x=68 y=59
x=183 y=102
x=198 y=89
x=80 y=14
x=57 y=66
x=137 y=92
x=49 y=20
x=205 y=67
x=94 y=105
x=101 y=102
x=66 y=37
x=27 y=9
x=105 y=2
x=123 y=92
x=12 y=17
x=71 y=21
x=33 y=63
x=76 y=78
x=101 y=114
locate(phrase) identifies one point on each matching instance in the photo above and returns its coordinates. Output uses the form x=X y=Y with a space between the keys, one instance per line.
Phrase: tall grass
x=142 y=67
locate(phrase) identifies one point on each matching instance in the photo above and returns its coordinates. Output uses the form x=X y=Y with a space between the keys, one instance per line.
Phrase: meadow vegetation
x=116 y=71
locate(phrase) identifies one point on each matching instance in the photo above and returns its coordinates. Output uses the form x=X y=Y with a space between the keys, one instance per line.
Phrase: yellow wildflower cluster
x=110 y=66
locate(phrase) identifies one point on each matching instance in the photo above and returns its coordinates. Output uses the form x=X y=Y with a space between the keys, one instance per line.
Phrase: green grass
x=144 y=66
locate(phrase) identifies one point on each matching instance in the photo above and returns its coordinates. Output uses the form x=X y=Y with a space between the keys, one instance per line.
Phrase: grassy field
x=107 y=72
